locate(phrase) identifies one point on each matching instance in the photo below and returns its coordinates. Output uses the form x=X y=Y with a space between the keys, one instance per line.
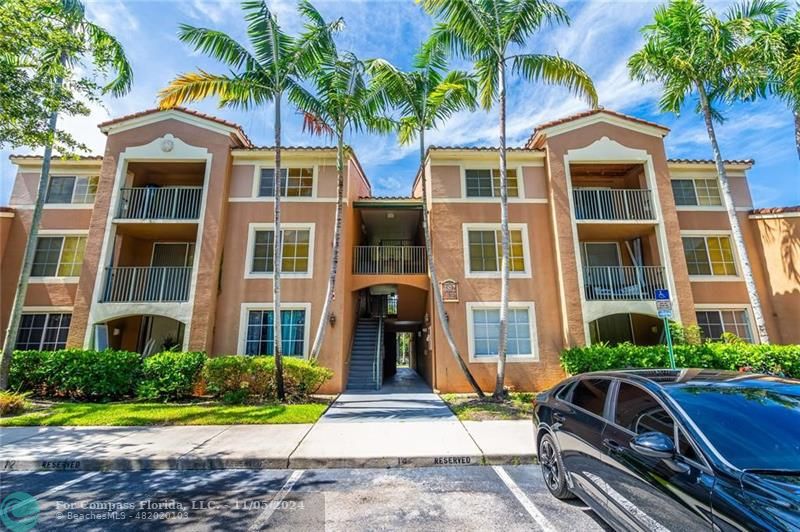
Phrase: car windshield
x=752 y=427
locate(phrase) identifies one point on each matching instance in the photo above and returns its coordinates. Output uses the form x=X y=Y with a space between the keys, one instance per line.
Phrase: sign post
x=664 y=308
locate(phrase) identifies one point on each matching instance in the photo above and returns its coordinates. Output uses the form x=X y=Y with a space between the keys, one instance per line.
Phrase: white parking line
x=523 y=499
x=263 y=518
x=54 y=489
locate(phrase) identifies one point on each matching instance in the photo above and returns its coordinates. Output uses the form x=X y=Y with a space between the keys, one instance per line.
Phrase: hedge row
x=108 y=375
x=765 y=358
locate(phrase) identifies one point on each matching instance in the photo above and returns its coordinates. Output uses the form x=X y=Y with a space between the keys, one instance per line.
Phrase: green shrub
x=238 y=379
x=170 y=375
x=766 y=358
x=76 y=373
x=12 y=403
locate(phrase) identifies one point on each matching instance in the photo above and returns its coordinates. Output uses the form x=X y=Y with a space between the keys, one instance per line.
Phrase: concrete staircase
x=362 y=357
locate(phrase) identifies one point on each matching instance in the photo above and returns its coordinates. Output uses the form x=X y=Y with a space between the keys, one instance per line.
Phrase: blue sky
x=601 y=38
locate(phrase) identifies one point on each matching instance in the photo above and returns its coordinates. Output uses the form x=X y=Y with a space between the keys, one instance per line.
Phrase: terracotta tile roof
x=776 y=210
x=58 y=157
x=389 y=198
x=591 y=112
x=710 y=161
x=6 y=209
x=192 y=112
x=295 y=148
x=482 y=148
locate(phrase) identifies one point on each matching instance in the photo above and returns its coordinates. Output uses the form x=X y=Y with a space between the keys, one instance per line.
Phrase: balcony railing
x=147 y=284
x=623 y=283
x=613 y=204
x=376 y=260
x=160 y=203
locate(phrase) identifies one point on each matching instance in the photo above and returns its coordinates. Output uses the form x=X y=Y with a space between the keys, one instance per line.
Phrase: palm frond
x=556 y=70
x=236 y=92
x=108 y=51
x=219 y=45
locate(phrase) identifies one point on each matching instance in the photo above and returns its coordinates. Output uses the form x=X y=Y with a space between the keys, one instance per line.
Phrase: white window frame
x=705 y=307
x=247 y=307
x=52 y=279
x=524 y=305
x=251 y=240
x=257 y=182
x=47 y=311
x=72 y=204
x=492 y=199
x=693 y=179
x=526 y=252
x=715 y=278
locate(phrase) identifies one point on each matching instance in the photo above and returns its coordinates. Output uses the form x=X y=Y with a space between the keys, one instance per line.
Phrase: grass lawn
x=468 y=407
x=130 y=414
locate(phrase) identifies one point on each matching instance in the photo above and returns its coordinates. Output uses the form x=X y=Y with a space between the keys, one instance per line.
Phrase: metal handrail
x=160 y=203
x=623 y=283
x=377 y=366
x=613 y=204
x=376 y=260
x=135 y=284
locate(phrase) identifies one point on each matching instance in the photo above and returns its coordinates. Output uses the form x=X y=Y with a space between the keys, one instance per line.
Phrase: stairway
x=362 y=357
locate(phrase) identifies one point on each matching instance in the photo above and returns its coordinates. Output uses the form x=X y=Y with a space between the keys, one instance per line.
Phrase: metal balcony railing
x=147 y=284
x=376 y=260
x=160 y=203
x=613 y=204
x=623 y=283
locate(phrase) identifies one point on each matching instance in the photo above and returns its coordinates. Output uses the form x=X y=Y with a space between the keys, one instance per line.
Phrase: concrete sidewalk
x=340 y=444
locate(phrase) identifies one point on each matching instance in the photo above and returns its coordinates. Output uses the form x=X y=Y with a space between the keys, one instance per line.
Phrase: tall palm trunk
x=437 y=294
x=277 y=257
x=30 y=250
x=499 y=388
x=337 y=238
x=736 y=230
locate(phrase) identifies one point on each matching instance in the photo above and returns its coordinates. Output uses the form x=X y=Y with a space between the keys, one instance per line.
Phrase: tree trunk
x=27 y=261
x=277 y=257
x=499 y=388
x=797 y=130
x=337 y=238
x=437 y=294
x=736 y=230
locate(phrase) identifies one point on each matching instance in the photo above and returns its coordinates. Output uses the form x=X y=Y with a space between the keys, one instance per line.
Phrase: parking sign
x=662 y=294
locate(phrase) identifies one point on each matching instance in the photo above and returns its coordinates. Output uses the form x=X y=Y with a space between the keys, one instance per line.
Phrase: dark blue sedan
x=682 y=450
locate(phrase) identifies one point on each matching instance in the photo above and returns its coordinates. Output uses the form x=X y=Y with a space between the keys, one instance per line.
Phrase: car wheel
x=553 y=469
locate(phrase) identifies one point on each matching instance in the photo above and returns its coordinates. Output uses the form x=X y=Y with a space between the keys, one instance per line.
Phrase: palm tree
x=425 y=97
x=344 y=101
x=277 y=66
x=89 y=46
x=492 y=34
x=688 y=50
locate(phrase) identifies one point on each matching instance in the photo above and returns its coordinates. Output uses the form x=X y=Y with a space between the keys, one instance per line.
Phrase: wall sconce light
x=332 y=319
x=116 y=331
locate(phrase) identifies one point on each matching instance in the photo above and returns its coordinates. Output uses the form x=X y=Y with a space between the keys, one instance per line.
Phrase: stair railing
x=377 y=366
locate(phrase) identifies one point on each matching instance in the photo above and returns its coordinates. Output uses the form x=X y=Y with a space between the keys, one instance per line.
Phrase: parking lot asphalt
x=444 y=498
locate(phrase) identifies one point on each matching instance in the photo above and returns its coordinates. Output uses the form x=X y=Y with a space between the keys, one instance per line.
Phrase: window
x=72 y=189
x=639 y=412
x=260 y=332
x=486 y=250
x=698 y=192
x=43 y=332
x=58 y=256
x=486 y=183
x=590 y=394
x=709 y=255
x=295 y=182
x=715 y=322
x=486 y=332
x=296 y=247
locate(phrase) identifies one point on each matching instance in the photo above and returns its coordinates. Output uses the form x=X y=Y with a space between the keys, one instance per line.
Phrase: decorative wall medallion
x=167 y=145
x=449 y=291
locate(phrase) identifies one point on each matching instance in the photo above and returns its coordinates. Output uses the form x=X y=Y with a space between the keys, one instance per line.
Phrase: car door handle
x=611 y=444
x=559 y=417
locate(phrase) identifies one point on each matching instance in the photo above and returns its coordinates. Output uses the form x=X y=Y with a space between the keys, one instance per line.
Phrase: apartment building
x=166 y=241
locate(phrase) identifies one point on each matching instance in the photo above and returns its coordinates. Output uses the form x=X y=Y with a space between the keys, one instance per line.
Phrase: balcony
x=147 y=284
x=388 y=260
x=160 y=203
x=608 y=204
x=623 y=283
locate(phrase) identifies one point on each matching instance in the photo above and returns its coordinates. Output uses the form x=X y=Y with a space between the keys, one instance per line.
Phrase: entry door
x=179 y=254
x=601 y=254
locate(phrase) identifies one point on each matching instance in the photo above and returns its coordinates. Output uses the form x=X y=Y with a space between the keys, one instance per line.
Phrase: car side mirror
x=654 y=445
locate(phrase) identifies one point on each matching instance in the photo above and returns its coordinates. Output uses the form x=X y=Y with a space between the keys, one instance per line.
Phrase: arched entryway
x=146 y=334
x=639 y=329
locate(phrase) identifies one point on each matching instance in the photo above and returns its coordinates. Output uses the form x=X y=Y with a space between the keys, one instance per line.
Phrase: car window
x=563 y=393
x=590 y=394
x=685 y=448
x=639 y=412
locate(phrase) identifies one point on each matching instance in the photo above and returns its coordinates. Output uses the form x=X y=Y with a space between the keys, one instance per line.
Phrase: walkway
x=404 y=397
